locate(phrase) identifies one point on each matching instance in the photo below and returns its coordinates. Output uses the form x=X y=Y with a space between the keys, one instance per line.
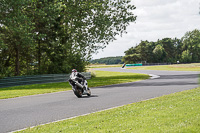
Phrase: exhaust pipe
x=79 y=85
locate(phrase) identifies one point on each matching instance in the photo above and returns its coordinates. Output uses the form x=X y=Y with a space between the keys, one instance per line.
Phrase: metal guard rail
x=37 y=79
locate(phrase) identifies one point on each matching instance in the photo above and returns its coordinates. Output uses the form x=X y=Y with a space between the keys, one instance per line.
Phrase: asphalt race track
x=19 y=113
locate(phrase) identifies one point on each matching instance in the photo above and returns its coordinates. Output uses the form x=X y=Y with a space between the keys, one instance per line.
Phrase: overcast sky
x=156 y=19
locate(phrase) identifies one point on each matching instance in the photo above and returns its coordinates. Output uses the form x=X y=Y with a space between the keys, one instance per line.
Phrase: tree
x=191 y=43
x=83 y=27
x=132 y=58
x=169 y=46
x=15 y=29
x=142 y=52
x=186 y=56
x=54 y=36
x=165 y=50
x=178 y=50
x=108 y=60
x=159 y=53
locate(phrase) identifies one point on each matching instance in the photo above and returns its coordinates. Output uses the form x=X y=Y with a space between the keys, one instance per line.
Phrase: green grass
x=108 y=78
x=25 y=90
x=178 y=67
x=102 y=78
x=178 y=112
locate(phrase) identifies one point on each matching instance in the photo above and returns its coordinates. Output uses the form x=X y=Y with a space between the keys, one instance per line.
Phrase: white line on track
x=154 y=76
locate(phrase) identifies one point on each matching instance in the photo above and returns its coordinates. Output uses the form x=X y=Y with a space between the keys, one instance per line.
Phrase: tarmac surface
x=28 y=111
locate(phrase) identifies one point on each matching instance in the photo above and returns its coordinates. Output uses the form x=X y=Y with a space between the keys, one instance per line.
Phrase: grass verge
x=102 y=78
x=178 y=67
x=178 y=112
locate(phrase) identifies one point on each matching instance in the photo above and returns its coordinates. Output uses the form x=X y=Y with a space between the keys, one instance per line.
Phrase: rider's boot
x=84 y=89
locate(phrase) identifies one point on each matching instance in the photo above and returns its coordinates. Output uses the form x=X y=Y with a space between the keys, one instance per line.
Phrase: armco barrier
x=37 y=79
x=133 y=64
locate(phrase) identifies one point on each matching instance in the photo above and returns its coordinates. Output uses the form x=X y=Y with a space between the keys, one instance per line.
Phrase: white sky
x=156 y=19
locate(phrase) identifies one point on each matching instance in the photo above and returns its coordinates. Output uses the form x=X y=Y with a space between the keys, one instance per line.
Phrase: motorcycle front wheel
x=88 y=92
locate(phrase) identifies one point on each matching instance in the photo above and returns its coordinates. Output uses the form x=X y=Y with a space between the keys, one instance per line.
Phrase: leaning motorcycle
x=78 y=88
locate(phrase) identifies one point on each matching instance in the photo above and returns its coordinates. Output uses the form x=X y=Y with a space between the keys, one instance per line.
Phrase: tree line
x=185 y=50
x=108 y=60
x=54 y=36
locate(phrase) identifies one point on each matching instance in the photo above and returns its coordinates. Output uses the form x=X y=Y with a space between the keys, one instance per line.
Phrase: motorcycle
x=78 y=88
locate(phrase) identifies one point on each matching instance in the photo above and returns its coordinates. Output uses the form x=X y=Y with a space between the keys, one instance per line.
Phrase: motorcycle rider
x=79 y=76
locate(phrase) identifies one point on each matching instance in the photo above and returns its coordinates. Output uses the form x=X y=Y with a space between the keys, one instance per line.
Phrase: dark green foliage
x=191 y=45
x=108 y=60
x=185 y=50
x=55 y=36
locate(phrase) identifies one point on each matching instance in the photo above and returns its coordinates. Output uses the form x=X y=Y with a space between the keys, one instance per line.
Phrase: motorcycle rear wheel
x=78 y=92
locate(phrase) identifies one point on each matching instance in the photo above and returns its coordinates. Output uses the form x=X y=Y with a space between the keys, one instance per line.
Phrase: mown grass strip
x=178 y=67
x=178 y=112
x=108 y=78
x=102 y=78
